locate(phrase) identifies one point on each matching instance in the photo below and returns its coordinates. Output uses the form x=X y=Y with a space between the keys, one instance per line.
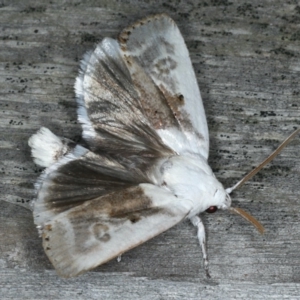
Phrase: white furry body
x=190 y=178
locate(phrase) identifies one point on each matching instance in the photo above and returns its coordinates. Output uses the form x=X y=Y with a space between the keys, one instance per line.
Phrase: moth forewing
x=156 y=45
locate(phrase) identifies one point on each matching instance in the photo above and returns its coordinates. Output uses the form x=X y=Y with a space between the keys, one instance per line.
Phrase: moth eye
x=212 y=209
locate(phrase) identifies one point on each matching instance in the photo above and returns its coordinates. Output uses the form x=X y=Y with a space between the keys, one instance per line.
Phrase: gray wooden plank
x=246 y=57
x=127 y=286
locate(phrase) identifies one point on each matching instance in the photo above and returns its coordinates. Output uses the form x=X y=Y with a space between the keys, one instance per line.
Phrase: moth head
x=221 y=197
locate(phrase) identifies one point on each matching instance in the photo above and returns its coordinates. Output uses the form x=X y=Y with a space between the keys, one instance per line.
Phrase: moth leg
x=119 y=258
x=197 y=222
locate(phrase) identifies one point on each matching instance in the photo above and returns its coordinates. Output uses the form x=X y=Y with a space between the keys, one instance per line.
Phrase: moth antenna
x=249 y=218
x=266 y=161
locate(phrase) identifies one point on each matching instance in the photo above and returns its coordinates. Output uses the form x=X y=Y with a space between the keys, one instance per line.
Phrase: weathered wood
x=246 y=56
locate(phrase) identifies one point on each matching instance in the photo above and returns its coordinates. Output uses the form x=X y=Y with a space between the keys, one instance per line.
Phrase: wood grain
x=246 y=56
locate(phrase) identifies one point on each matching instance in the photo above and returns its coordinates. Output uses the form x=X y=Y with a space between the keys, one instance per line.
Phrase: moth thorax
x=191 y=178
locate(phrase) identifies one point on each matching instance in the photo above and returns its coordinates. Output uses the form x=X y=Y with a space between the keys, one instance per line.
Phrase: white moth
x=144 y=168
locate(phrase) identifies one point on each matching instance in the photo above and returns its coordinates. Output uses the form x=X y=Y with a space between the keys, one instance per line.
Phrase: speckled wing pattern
x=97 y=202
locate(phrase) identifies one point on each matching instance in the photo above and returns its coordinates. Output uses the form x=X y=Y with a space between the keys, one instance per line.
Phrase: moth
x=143 y=168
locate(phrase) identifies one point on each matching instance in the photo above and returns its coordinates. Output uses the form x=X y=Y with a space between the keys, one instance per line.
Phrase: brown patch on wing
x=48 y=227
x=116 y=204
x=96 y=220
x=153 y=102
x=114 y=209
x=89 y=177
x=176 y=104
x=101 y=229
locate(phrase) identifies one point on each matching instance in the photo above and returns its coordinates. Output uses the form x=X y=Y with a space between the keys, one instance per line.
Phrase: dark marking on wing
x=127 y=31
x=68 y=145
x=92 y=176
x=100 y=232
x=152 y=101
x=116 y=204
x=101 y=216
x=48 y=227
x=163 y=67
x=134 y=218
x=175 y=103
x=180 y=99
x=94 y=233
x=105 y=238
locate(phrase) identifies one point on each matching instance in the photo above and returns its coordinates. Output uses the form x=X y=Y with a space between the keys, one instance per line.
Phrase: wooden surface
x=246 y=56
